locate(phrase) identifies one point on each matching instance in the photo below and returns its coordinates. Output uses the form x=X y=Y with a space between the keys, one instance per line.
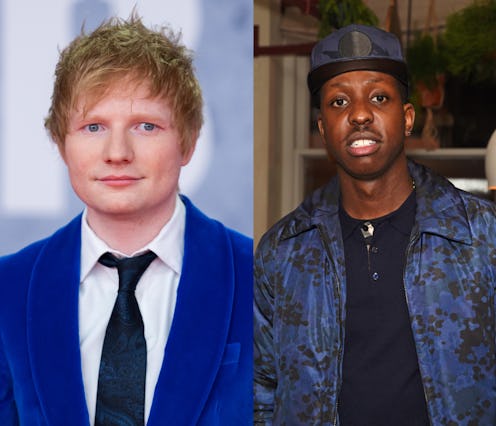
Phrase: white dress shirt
x=155 y=293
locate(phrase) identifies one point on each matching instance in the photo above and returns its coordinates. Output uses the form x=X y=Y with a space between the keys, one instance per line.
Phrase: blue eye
x=148 y=126
x=93 y=127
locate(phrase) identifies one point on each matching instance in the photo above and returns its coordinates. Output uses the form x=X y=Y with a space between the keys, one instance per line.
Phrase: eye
x=148 y=127
x=339 y=102
x=380 y=99
x=93 y=127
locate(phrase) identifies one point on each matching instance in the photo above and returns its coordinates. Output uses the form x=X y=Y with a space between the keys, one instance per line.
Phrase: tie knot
x=130 y=269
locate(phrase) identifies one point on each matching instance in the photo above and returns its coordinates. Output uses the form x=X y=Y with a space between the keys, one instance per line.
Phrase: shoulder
x=21 y=262
x=439 y=188
x=477 y=205
x=481 y=215
x=443 y=209
x=319 y=206
x=242 y=246
x=204 y=229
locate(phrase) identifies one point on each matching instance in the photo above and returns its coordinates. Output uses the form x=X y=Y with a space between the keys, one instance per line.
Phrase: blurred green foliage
x=426 y=58
x=336 y=14
x=470 y=40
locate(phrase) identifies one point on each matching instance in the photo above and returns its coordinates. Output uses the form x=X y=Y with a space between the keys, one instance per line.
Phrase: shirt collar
x=348 y=223
x=168 y=245
x=401 y=219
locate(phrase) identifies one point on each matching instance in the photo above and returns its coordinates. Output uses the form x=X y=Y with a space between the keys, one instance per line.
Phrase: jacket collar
x=319 y=207
x=199 y=331
x=52 y=328
x=440 y=209
x=196 y=342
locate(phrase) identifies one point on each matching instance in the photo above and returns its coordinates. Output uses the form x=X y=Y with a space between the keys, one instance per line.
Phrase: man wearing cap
x=375 y=298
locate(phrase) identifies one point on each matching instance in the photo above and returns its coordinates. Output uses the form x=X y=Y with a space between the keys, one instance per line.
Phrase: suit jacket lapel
x=200 y=326
x=53 y=333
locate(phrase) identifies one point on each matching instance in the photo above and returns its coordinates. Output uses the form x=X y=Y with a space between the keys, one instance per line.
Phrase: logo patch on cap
x=355 y=44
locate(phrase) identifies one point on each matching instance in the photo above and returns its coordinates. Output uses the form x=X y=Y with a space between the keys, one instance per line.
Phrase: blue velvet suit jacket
x=206 y=376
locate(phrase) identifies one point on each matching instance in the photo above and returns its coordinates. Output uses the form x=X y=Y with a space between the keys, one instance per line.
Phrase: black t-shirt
x=381 y=384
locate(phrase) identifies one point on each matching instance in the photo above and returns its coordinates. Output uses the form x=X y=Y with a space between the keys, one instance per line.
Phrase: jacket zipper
x=339 y=316
x=340 y=355
x=414 y=240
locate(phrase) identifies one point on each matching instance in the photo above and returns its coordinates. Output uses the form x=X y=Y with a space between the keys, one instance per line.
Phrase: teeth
x=362 y=142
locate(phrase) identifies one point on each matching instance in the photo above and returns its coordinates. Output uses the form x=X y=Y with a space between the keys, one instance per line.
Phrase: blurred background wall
x=35 y=194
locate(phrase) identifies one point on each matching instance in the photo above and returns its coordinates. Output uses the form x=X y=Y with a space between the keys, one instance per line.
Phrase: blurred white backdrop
x=35 y=194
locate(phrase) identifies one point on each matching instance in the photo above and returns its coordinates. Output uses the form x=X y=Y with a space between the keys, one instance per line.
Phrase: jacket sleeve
x=265 y=380
x=8 y=409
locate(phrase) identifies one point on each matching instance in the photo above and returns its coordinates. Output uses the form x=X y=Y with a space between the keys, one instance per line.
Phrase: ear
x=320 y=124
x=409 y=114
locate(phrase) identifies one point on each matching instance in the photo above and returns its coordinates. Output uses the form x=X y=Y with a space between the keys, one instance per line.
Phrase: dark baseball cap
x=353 y=48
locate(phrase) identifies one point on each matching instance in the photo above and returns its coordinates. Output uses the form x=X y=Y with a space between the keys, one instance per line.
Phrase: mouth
x=362 y=143
x=363 y=147
x=122 y=180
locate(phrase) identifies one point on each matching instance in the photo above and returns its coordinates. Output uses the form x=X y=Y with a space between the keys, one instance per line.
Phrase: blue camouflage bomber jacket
x=449 y=282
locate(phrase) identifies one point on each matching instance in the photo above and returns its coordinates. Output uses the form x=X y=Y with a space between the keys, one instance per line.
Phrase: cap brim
x=318 y=76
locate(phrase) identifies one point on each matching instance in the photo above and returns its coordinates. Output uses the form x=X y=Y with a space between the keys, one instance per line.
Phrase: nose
x=360 y=113
x=118 y=147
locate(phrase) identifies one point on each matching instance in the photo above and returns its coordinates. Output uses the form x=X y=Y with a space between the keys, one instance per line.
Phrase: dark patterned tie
x=121 y=381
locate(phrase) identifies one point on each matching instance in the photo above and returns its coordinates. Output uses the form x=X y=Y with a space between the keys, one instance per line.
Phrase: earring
x=408 y=133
